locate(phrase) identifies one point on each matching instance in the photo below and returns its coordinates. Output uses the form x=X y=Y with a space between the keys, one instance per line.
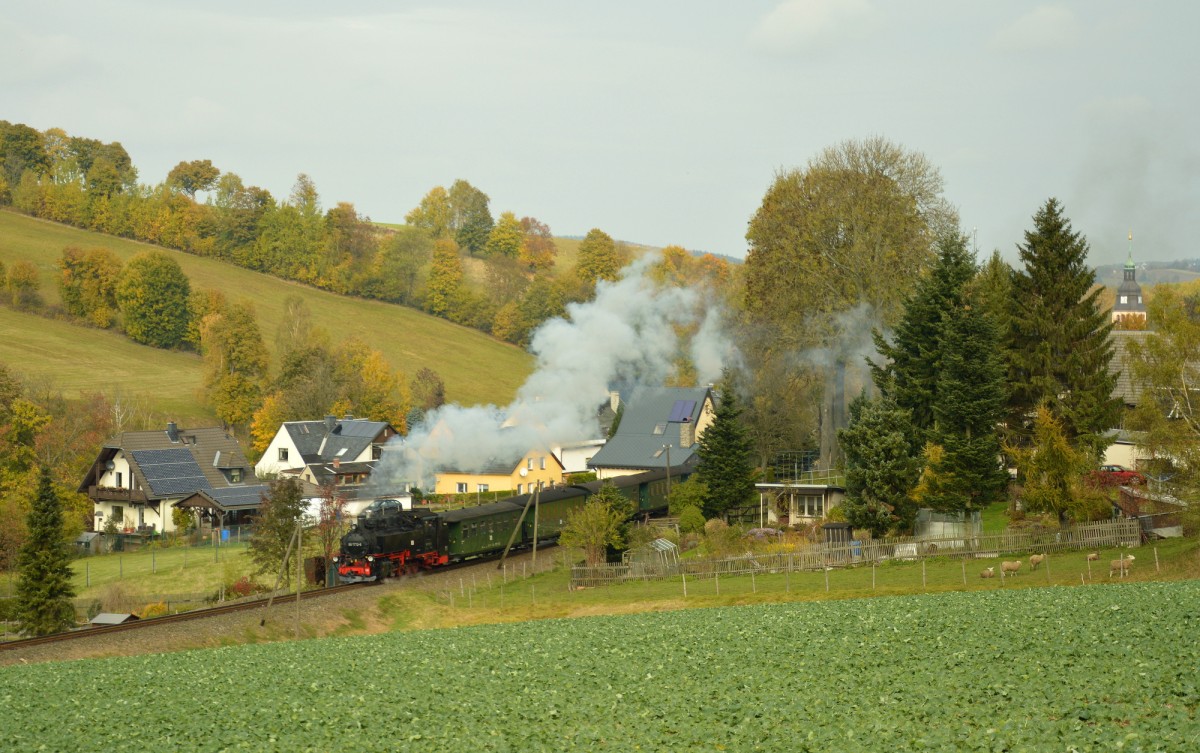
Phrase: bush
x=157 y=609
x=691 y=520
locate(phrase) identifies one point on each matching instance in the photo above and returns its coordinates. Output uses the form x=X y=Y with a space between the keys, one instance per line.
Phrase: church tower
x=1129 y=310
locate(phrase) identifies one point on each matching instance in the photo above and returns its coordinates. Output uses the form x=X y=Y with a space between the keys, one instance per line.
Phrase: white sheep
x=1035 y=560
x=1010 y=568
x=1121 y=565
x=989 y=573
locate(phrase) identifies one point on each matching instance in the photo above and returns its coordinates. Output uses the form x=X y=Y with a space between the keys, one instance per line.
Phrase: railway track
x=194 y=614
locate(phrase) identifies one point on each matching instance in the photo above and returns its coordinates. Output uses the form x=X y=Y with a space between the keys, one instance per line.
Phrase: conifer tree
x=915 y=360
x=968 y=410
x=882 y=465
x=1057 y=342
x=725 y=452
x=44 y=591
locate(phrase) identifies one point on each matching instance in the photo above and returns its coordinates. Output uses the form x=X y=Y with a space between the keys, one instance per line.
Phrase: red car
x=1119 y=474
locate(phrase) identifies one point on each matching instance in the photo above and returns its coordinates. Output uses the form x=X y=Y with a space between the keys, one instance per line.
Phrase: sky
x=657 y=122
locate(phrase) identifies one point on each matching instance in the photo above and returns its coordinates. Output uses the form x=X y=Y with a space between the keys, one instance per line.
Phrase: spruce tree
x=882 y=465
x=1057 y=342
x=44 y=591
x=725 y=452
x=968 y=411
x=914 y=358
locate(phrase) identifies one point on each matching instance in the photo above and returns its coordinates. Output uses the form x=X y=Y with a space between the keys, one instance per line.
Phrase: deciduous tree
x=598 y=525
x=193 y=176
x=23 y=285
x=235 y=359
x=433 y=215
x=444 y=288
x=44 y=591
x=538 y=249
x=470 y=218
x=153 y=298
x=598 y=258
x=279 y=513
x=88 y=284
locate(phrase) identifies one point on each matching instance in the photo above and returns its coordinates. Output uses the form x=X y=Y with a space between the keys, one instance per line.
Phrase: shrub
x=691 y=520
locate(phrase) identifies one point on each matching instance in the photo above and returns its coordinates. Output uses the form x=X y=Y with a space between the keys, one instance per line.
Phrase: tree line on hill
x=424 y=264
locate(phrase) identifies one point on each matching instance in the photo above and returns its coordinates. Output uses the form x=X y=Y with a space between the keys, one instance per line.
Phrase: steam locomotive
x=388 y=540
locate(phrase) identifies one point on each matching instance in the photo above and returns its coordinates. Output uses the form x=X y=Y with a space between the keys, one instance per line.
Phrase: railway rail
x=195 y=614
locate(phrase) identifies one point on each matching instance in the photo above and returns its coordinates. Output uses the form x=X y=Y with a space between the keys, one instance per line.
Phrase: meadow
x=476 y=368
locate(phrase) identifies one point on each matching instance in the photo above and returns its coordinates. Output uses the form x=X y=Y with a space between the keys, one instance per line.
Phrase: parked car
x=1119 y=474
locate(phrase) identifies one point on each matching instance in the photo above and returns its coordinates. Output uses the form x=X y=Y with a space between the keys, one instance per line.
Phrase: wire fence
x=822 y=556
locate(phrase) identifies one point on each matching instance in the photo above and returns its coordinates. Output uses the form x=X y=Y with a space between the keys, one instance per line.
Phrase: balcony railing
x=113 y=494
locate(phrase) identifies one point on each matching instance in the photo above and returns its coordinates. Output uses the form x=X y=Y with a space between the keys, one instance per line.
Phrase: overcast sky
x=658 y=122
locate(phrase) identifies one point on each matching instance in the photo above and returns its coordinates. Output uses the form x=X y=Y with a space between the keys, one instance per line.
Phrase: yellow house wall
x=447 y=482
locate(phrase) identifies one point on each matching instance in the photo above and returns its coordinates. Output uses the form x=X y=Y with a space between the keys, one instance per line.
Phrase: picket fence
x=818 y=556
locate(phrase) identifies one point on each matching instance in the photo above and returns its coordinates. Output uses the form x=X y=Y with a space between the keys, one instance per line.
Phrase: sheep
x=1121 y=565
x=1010 y=568
x=1093 y=556
x=989 y=573
x=1035 y=560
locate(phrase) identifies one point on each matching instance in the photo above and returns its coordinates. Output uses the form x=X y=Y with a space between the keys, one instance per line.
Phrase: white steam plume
x=626 y=336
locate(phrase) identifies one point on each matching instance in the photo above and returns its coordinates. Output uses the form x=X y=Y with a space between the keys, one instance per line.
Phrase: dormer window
x=1124 y=300
x=235 y=475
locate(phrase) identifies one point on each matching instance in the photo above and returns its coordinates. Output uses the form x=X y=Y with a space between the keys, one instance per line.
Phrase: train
x=388 y=540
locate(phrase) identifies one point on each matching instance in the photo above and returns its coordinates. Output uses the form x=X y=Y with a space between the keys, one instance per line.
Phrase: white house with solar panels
x=140 y=477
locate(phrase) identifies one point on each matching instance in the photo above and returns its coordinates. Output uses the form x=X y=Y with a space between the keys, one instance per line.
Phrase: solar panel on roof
x=360 y=428
x=682 y=410
x=171 y=472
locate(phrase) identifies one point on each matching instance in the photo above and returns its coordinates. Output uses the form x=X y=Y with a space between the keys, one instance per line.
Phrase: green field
x=475 y=367
x=1046 y=669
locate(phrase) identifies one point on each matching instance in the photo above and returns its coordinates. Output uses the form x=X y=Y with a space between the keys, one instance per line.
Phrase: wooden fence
x=818 y=556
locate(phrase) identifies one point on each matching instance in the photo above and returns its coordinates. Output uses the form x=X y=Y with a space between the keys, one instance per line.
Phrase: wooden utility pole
x=516 y=529
x=537 y=493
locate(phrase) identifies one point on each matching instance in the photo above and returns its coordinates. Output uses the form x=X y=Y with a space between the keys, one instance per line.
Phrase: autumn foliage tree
x=598 y=525
x=88 y=284
x=153 y=298
x=235 y=359
x=598 y=258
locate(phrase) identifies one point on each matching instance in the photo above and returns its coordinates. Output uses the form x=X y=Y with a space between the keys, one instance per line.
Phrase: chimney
x=337 y=463
x=687 y=434
x=614 y=400
x=330 y=423
x=173 y=431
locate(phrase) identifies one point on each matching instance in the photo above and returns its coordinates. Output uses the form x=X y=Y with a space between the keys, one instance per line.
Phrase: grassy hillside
x=476 y=368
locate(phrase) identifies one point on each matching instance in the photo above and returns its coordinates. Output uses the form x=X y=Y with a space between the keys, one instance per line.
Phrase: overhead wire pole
x=537 y=492
x=299 y=572
x=516 y=528
x=278 y=576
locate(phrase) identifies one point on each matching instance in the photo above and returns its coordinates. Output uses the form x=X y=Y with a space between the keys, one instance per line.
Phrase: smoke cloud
x=625 y=338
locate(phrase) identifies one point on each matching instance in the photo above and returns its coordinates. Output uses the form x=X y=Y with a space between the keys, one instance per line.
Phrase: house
x=536 y=469
x=331 y=453
x=298 y=444
x=657 y=425
x=139 y=477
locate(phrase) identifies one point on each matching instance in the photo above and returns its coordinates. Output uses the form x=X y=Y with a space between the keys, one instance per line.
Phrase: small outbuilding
x=111 y=618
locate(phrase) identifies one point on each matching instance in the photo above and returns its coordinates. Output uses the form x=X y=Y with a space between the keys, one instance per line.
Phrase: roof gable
x=649 y=423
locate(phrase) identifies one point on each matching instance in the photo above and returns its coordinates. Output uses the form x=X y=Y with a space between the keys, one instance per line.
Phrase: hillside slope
x=476 y=368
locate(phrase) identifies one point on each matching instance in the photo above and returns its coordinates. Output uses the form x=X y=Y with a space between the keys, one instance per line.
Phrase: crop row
x=1101 y=667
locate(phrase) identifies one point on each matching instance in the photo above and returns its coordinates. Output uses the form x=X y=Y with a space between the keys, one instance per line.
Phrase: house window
x=542 y=460
x=119 y=480
x=530 y=464
x=1124 y=299
x=235 y=476
x=283 y=454
x=1139 y=299
x=520 y=488
x=481 y=488
x=462 y=488
x=660 y=428
x=118 y=515
x=376 y=451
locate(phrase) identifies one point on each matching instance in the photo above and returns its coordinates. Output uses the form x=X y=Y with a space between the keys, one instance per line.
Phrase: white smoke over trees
x=626 y=336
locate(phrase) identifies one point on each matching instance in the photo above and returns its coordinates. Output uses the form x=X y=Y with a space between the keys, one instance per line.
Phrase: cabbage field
x=1098 y=668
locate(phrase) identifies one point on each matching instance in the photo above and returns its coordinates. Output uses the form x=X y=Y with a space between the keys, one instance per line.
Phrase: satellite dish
x=524 y=472
x=110 y=465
